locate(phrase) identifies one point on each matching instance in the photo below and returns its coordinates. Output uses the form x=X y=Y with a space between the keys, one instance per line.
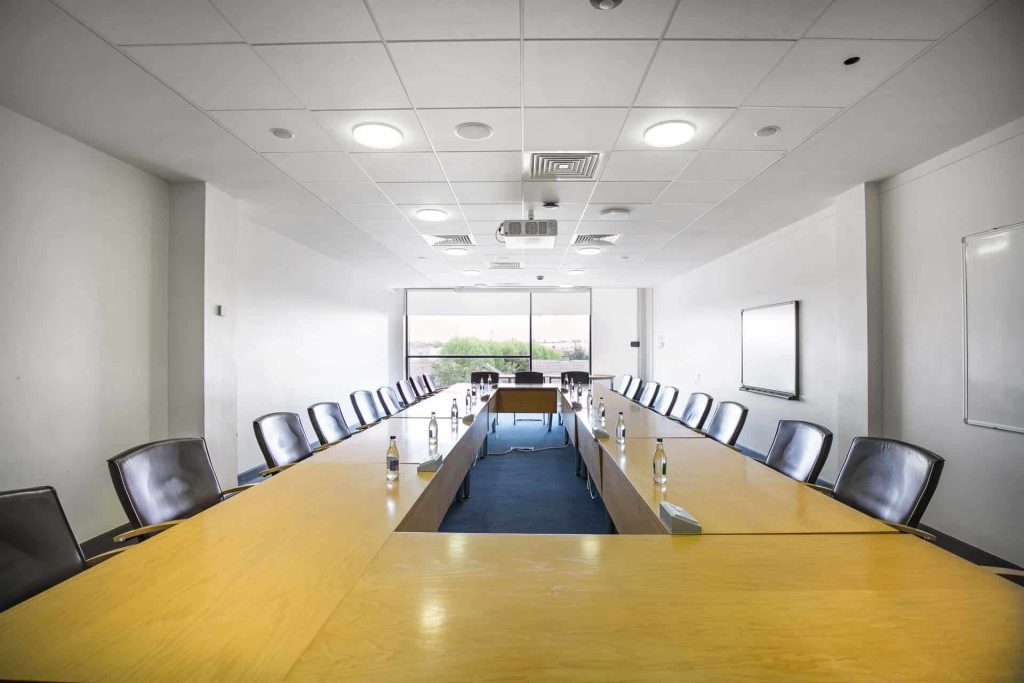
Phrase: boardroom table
x=327 y=571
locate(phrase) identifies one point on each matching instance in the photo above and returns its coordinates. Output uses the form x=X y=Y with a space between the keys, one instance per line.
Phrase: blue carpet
x=527 y=493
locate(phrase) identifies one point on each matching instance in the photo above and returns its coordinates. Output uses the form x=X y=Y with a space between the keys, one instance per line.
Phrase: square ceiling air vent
x=606 y=240
x=504 y=265
x=449 y=240
x=563 y=165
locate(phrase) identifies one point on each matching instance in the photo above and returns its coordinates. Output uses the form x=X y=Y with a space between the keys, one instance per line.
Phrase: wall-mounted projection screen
x=994 y=328
x=770 y=350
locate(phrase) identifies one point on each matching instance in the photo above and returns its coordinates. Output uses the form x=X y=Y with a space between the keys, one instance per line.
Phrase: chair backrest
x=281 y=438
x=329 y=423
x=648 y=394
x=37 y=546
x=431 y=382
x=727 y=422
x=485 y=376
x=529 y=377
x=164 y=480
x=665 y=401
x=799 y=449
x=366 y=407
x=577 y=376
x=406 y=391
x=635 y=387
x=420 y=386
x=888 y=479
x=694 y=411
x=389 y=400
x=623 y=384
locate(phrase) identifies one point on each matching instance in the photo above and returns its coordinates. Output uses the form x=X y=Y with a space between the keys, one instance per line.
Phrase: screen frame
x=776 y=393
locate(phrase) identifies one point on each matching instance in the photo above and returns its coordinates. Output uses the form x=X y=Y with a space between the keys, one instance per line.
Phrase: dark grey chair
x=694 y=412
x=577 y=376
x=282 y=440
x=648 y=394
x=329 y=423
x=432 y=384
x=390 y=401
x=665 y=401
x=727 y=422
x=407 y=392
x=485 y=376
x=529 y=377
x=799 y=449
x=366 y=407
x=623 y=384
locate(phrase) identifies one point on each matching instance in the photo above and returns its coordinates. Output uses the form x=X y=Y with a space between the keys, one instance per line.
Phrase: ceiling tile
x=298 y=21
x=699 y=191
x=252 y=126
x=142 y=22
x=462 y=74
x=348 y=193
x=506 y=129
x=577 y=192
x=572 y=129
x=713 y=165
x=317 y=166
x=883 y=19
x=708 y=73
x=706 y=120
x=600 y=227
x=634 y=166
x=477 y=166
x=454 y=222
x=400 y=167
x=628 y=192
x=418 y=193
x=340 y=124
x=394 y=229
x=584 y=73
x=361 y=213
x=488 y=192
x=446 y=19
x=339 y=75
x=216 y=76
x=561 y=19
x=768 y=19
x=795 y=125
x=813 y=73
x=492 y=212
x=483 y=228
x=684 y=214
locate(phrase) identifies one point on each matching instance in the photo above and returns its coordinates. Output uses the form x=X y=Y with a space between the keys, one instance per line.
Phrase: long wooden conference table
x=329 y=572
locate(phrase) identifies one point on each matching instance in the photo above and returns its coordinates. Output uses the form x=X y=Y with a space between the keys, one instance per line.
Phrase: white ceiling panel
x=476 y=166
x=418 y=193
x=339 y=75
x=685 y=191
x=460 y=74
x=298 y=21
x=506 y=129
x=635 y=166
x=795 y=125
x=561 y=19
x=253 y=126
x=400 y=167
x=348 y=193
x=765 y=19
x=483 y=228
x=488 y=192
x=317 y=166
x=446 y=19
x=361 y=213
x=584 y=73
x=562 y=212
x=216 y=76
x=572 y=129
x=575 y=192
x=628 y=227
x=884 y=19
x=492 y=212
x=147 y=22
x=394 y=229
x=683 y=214
x=706 y=120
x=714 y=165
x=628 y=192
x=340 y=124
x=813 y=73
x=708 y=73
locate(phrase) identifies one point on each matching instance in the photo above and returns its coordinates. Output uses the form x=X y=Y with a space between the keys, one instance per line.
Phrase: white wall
x=697 y=326
x=925 y=212
x=613 y=325
x=83 y=300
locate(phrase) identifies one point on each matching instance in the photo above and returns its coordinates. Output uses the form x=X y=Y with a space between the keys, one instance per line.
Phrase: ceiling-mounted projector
x=529 y=234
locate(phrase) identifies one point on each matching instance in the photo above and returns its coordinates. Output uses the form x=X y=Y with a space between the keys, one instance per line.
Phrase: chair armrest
x=1004 y=571
x=912 y=531
x=145 y=530
x=235 y=489
x=103 y=557
x=818 y=487
x=321 y=448
x=275 y=470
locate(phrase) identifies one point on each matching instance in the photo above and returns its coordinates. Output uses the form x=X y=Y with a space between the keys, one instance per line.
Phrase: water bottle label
x=393 y=464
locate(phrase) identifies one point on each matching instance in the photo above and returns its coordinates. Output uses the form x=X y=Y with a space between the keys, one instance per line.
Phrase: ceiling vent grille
x=606 y=240
x=505 y=265
x=449 y=240
x=563 y=165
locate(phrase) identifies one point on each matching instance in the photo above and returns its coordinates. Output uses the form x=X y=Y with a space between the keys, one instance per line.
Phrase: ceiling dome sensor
x=377 y=135
x=282 y=133
x=605 y=4
x=615 y=214
x=766 y=132
x=670 y=133
x=472 y=130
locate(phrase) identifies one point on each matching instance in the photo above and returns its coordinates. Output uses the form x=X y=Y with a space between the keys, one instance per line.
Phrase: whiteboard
x=993 y=272
x=769 y=363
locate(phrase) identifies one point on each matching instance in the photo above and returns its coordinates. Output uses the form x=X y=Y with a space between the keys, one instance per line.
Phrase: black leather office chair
x=694 y=412
x=665 y=401
x=529 y=377
x=366 y=407
x=727 y=422
x=329 y=423
x=389 y=400
x=37 y=547
x=623 y=384
x=799 y=449
x=420 y=386
x=648 y=394
x=432 y=384
x=636 y=385
x=282 y=440
x=577 y=376
x=888 y=479
x=407 y=392
x=485 y=376
x=163 y=482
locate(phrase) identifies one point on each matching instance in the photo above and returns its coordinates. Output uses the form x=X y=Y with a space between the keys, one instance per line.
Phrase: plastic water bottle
x=455 y=410
x=480 y=392
x=620 y=430
x=600 y=410
x=432 y=430
x=472 y=388
x=392 y=460
x=579 y=392
x=572 y=386
x=660 y=464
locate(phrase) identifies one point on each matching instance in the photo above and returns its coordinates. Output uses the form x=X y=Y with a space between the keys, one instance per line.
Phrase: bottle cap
x=392 y=438
x=620 y=412
x=659 y=440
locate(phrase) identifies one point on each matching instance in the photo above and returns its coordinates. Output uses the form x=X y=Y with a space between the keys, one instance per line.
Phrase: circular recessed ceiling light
x=576 y=271
x=669 y=133
x=605 y=4
x=472 y=130
x=850 y=61
x=615 y=214
x=456 y=251
x=766 y=132
x=471 y=271
x=282 y=133
x=588 y=251
x=377 y=135
x=432 y=215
